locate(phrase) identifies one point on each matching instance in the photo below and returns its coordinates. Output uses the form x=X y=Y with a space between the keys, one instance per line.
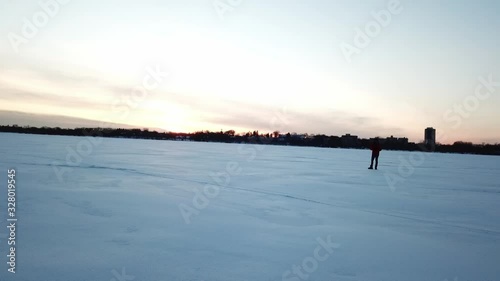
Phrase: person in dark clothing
x=375 y=148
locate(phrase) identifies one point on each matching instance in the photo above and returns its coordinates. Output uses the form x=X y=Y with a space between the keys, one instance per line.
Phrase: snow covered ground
x=132 y=210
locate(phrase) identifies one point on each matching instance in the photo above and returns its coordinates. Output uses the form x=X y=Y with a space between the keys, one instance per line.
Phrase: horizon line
x=163 y=131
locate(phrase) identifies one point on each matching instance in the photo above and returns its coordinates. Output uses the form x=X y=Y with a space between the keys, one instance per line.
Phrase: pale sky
x=261 y=65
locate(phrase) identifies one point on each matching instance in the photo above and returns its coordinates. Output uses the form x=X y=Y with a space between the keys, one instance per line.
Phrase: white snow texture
x=145 y=210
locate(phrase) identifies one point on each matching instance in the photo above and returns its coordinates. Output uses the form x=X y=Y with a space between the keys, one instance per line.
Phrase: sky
x=292 y=66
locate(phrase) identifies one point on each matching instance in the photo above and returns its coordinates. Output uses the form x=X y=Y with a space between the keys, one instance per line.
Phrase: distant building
x=403 y=141
x=349 y=140
x=430 y=138
x=392 y=141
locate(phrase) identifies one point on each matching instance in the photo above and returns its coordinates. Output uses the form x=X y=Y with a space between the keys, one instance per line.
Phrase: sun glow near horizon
x=240 y=72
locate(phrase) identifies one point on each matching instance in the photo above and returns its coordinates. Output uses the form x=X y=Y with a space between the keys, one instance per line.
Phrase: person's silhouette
x=375 y=148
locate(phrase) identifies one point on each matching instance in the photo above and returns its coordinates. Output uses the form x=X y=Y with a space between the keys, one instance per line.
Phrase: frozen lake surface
x=124 y=210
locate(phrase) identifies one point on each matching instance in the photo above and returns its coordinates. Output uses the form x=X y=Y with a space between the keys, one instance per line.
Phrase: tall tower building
x=430 y=138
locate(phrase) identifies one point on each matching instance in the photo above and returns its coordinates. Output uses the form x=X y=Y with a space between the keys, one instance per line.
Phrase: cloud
x=40 y=120
x=293 y=119
x=215 y=113
x=41 y=99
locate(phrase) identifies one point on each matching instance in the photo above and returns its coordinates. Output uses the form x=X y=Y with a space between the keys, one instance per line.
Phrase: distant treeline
x=275 y=138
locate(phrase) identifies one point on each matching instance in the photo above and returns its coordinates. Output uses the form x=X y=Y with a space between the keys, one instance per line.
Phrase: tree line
x=274 y=138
